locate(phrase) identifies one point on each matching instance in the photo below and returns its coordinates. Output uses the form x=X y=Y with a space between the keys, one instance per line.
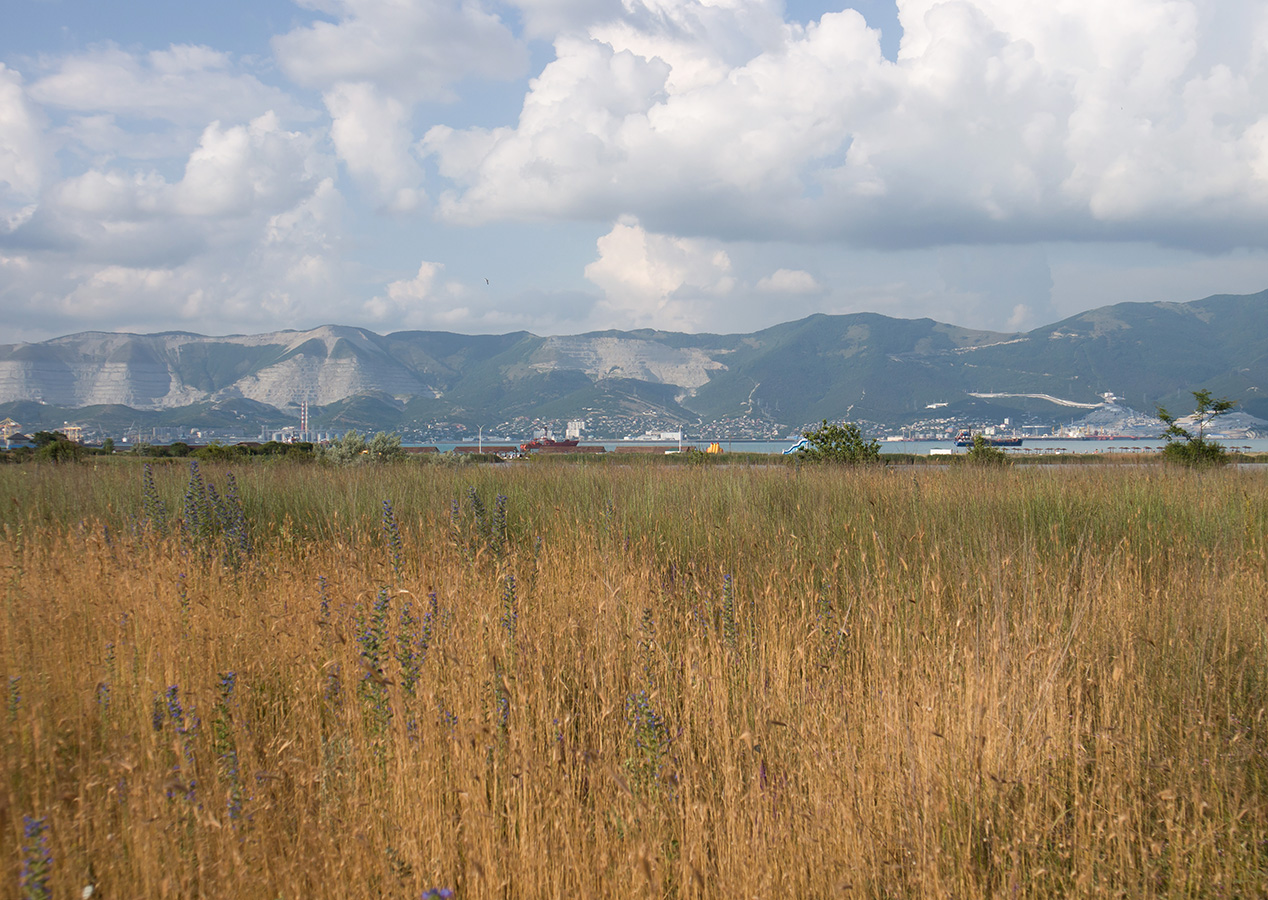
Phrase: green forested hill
x=862 y=366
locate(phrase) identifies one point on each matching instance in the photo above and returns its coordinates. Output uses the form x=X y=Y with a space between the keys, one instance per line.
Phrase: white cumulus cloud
x=371 y=135
x=755 y=168
x=415 y=51
x=23 y=151
x=187 y=84
x=243 y=170
x=655 y=279
x=248 y=233
x=377 y=61
x=999 y=121
x=789 y=281
x=407 y=297
x=428 y=300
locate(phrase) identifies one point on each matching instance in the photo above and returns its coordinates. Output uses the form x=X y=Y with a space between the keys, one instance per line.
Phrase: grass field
x=570 y=680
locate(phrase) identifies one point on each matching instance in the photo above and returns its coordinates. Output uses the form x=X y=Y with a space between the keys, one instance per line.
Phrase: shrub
x=160 y=451
x=58 y=451
x=221 y=452
x=353 y=448
x=346 y=450
x=983 y=454
x=384 y=447
x=839 y=442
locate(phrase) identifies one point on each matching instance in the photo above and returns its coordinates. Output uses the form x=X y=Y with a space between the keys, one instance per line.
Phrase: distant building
x=575 y=427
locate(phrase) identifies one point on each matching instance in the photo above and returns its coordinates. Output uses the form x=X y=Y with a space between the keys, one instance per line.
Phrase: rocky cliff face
x=101 y=369
x=323 y=366
x=325 y=381
x=163 y=371
x=618 y=357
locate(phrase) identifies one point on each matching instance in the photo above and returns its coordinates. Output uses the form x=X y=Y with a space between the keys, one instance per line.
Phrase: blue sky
x=562 y=166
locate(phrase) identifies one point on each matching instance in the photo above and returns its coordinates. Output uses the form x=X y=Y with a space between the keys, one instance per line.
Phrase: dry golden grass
x=708 y=683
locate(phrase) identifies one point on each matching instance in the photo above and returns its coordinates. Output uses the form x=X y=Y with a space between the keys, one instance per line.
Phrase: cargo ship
x=965 y=439
x=548 y=443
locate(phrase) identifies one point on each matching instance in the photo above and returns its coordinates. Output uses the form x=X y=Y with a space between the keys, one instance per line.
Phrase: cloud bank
x=999 y=121
x=706 y=164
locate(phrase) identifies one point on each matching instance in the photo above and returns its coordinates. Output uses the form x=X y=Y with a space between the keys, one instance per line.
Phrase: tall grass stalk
x=645 y=681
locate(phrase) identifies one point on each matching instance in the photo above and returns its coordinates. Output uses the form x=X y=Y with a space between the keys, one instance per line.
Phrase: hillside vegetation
x=860 y=366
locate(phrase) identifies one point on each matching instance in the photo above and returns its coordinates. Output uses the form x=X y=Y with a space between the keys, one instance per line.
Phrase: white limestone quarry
x=324 y=381
x=85 y=370
x=613 y=357
x=327 y=378
x=145 y=371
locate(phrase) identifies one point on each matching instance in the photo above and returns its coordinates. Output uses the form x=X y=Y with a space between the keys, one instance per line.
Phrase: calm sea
x=921 y=448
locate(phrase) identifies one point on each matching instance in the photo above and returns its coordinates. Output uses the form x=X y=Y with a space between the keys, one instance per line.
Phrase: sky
x=562 y=166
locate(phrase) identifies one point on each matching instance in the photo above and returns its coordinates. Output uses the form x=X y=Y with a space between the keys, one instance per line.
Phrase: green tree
x=1195 y=449
x=301 y=451
x=107 y=446
x=983 y=454
x=839 y=442
x=58 y=451
x=218 y=451
x=44 y=438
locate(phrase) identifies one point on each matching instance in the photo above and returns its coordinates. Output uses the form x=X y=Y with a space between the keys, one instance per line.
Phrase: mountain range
x=863 y=366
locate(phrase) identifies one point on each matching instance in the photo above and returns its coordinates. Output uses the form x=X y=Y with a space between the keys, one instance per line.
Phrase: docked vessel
x=546 y=442
x=965 y=439
x=657 y=436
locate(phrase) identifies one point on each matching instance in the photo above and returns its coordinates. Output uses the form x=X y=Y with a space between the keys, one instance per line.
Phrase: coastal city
x=1108 y=423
